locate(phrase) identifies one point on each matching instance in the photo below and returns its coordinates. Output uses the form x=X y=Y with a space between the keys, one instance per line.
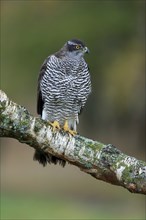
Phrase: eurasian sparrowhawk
x=63 y=88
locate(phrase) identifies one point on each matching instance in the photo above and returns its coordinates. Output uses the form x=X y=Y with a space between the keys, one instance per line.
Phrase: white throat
x=75 y=55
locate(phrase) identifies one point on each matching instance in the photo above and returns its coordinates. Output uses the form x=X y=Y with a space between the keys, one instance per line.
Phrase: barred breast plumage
x=63 y=88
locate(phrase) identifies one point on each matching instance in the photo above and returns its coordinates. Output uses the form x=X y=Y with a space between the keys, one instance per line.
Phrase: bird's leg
x=67 y=129
x=55 y=125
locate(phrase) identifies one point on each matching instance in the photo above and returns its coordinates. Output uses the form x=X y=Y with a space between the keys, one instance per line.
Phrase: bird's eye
x=78 y=47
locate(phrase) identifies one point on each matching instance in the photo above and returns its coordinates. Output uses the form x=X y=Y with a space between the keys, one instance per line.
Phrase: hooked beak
x=86 y=50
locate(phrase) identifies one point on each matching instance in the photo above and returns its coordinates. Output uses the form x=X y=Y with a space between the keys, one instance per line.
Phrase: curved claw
x=55 y=125
x=72 y=132
x=67 y=129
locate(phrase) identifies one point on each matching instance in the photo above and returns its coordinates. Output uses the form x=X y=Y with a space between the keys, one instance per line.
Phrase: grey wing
x=40 y=101
x=40 y=156
x=89 y=89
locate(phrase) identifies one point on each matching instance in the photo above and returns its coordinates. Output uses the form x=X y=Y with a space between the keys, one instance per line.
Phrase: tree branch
x=104 y=162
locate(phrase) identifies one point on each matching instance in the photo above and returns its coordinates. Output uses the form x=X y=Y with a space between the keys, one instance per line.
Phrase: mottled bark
x=104 y=162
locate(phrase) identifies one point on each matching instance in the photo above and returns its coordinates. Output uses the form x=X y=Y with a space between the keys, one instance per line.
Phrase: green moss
x=88 y=165
x=126 y=175
x=95 y=145
x=38 y=125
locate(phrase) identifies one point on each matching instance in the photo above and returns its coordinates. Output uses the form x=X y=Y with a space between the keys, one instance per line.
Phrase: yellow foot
x=72 y=132
x=55 y=125
x=66 y=129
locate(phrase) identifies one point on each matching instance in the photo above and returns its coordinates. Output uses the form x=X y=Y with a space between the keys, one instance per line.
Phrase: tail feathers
x=44 y=158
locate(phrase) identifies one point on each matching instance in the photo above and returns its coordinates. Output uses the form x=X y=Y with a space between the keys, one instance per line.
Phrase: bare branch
x=104 y=162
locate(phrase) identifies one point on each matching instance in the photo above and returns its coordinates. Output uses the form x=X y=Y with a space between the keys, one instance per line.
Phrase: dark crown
x=76 y=41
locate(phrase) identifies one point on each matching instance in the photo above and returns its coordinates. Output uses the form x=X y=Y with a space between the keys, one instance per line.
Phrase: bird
x=64 y=84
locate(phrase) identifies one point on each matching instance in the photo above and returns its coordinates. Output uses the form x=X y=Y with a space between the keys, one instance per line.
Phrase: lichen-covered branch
x=104 y=162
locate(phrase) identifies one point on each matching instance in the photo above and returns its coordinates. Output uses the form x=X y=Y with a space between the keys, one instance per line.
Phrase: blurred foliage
x=28 y=207
x=114 y=31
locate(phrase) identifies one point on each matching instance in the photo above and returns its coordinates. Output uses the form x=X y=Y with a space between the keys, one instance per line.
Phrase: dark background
x=114 y=31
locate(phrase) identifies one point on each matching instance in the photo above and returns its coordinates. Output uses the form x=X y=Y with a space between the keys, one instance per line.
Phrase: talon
x=66 y=129
x=55 y=125
x=72 y=132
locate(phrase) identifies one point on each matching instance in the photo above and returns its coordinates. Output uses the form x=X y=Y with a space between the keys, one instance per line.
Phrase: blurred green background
x=114 y=31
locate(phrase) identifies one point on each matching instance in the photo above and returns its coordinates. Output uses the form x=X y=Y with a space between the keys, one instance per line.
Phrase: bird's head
x=75 y=48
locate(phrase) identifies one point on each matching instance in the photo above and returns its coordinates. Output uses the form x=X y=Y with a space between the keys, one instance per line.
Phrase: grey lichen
x=109 y=155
